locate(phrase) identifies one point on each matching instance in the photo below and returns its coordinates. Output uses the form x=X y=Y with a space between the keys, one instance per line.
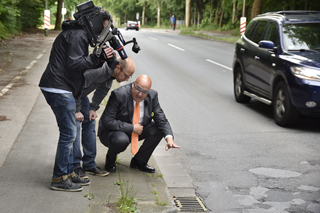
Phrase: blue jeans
x=88 y=138
x=64 y=107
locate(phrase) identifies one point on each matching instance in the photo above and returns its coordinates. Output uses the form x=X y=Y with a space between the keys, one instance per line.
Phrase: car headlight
x=306 y=73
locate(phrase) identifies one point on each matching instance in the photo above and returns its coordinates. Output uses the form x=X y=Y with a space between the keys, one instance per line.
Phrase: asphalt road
x=238 y=159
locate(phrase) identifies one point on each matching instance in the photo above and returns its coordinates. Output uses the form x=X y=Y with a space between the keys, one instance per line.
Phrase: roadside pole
x=46 y=20
x=243 y=19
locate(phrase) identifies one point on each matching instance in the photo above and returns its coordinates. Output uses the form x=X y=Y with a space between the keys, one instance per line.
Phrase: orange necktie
x=134 y=136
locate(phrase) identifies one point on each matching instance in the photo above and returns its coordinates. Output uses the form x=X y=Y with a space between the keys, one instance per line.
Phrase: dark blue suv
x=277 y=61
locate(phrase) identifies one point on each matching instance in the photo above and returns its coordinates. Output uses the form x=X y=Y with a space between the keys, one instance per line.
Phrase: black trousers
x=118 y=141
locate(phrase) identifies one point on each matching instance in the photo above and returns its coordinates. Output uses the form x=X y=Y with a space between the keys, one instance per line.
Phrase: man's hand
x=79 y=116
x=171 y=144
x=109 y=52
x=137 y=128
x=92 y=115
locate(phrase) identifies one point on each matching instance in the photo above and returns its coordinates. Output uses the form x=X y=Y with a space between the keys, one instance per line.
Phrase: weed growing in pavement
x=155 y=192
x=89 y=196
x=127 y=202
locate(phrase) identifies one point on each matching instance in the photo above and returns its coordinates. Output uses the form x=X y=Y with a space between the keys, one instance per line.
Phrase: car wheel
x=284 y=112
x=238 y=87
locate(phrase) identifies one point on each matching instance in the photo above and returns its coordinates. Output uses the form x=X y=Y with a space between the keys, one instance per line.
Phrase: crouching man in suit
x=133 y=113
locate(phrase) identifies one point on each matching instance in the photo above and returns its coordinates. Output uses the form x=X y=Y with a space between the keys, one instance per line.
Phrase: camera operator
x=61 y=83
x=100 y=80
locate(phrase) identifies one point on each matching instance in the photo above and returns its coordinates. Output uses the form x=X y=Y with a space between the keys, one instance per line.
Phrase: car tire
x=238 y=87
x=137 y=29
x=284 y=112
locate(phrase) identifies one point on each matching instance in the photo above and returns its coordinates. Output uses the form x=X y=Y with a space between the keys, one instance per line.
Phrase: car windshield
x=301 y=37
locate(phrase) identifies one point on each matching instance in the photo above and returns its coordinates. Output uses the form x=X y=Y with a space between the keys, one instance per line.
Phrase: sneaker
x=97 y=171
x=66 y=185
x=80 y=171
x=80 y=181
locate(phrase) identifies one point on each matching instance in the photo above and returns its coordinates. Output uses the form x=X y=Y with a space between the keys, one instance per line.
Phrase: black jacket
x=69 y=58
x=100 y=80
x=118 y=113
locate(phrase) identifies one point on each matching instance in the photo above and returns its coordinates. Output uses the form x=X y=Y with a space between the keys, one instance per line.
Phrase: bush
x=31 y=13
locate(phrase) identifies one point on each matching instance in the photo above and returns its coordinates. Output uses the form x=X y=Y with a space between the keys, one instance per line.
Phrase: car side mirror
x=266 y=45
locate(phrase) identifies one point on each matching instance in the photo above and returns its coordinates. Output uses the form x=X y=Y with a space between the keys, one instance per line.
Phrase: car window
x=259 y=32
x=272 y=34
x=250 y=30
x=301 y=36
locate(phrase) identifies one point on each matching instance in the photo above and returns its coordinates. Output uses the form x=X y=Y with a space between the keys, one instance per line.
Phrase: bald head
x=144 y=82
x=141 y=87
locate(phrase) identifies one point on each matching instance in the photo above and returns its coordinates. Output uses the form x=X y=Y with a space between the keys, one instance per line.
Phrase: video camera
x=90 y=17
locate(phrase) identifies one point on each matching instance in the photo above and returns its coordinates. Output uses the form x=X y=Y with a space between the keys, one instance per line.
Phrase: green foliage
x=89 y=196
x=30 y=14
x=8 y=18
x=127 y=202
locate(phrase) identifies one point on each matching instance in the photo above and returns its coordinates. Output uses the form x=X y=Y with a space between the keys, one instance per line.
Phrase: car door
x=266 y=62
x=252 y=75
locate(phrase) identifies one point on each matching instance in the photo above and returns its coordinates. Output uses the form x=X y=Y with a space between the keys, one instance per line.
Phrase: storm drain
x=189 y=204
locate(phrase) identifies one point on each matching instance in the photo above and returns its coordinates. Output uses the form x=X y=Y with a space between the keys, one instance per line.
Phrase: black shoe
x=111 y=168
x=110 y=164
x=97 y=171
x=66 y=185
x=141 y=166
x=80 y=171
x=80 y=181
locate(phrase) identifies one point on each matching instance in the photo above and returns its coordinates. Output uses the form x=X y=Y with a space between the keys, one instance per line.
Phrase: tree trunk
x=211 y=10
x=159 y=15
x=234 y=12
x=188 y=13
x=220 y=24
x=143 y=13
x=194 y=16
x=217 y=13
x=256 y=8
x=199 y=6
x=59 y=16
x=198 y=21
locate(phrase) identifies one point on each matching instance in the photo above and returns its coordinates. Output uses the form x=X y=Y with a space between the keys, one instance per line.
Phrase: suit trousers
x=118 y=141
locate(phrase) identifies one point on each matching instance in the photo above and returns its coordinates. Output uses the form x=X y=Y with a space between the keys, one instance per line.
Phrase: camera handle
x=103 y=38
x=135 y=47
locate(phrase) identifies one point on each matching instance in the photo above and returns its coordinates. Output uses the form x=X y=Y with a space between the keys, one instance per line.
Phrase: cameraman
x=100 y=80
x=61 y=83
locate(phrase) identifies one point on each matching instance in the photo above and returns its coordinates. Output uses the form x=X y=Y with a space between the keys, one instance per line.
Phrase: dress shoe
x=141 y=166
x=110 y=168
x=110 y=165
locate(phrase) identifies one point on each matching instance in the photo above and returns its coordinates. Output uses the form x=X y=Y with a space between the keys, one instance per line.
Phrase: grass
x=229 y=39
x=127 y=202
x=155 y=192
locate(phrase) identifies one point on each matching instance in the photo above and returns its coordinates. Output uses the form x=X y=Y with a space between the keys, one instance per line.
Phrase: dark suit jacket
x=118 y=113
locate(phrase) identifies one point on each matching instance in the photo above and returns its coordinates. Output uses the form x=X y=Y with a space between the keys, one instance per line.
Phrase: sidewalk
x=26 y=175
x=28 y=158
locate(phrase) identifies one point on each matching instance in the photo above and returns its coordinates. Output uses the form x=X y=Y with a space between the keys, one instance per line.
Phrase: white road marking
x=176 y=47
x=228 y=68
x=9 y=86
x=39 y=56
x=154 y=38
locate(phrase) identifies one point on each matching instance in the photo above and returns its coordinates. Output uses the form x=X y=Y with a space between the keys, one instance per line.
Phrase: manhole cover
x=189 y=204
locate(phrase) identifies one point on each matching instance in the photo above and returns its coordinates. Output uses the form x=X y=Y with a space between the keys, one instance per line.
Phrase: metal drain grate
x=189 y=204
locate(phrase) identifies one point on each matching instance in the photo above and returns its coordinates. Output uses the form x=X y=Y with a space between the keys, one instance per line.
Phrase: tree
x=256 y=8
x=58 y=16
